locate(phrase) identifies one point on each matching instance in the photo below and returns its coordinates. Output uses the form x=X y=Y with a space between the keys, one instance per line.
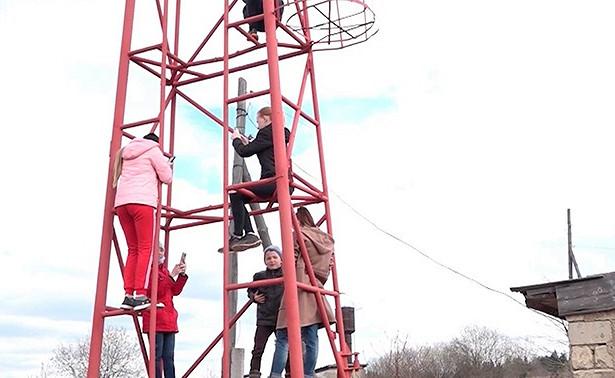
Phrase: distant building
x=588 y=304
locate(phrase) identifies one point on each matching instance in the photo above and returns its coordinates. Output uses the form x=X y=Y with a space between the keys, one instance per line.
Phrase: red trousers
x=138 y=224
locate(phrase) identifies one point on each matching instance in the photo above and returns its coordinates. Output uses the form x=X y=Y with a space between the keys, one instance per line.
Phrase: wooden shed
x=572 y=297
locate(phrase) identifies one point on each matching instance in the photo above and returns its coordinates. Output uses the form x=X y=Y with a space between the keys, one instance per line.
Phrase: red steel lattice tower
x=311 y=25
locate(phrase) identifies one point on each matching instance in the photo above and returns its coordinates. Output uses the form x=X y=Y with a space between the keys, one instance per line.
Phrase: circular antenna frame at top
x=332 y=24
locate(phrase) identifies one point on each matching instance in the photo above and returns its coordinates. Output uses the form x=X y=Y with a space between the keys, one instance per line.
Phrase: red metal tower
x=311 y=25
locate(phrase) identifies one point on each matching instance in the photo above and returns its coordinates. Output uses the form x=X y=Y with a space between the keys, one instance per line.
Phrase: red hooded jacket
x=166 y=317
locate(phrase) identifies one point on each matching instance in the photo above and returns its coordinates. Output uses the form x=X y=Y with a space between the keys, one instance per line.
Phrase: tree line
x=477 y=352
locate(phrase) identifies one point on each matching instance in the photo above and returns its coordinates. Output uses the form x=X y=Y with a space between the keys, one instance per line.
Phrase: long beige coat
x=319 y=247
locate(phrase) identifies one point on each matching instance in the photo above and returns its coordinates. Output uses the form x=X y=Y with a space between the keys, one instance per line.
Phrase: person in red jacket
x=166 y=315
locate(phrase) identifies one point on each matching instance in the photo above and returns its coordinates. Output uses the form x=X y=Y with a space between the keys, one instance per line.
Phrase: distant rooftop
x=571 y=297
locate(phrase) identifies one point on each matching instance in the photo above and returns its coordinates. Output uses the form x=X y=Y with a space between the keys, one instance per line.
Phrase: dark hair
x=304 y=217
x=151 y=136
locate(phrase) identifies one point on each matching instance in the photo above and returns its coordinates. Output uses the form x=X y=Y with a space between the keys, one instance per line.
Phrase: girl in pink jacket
x=139 y=166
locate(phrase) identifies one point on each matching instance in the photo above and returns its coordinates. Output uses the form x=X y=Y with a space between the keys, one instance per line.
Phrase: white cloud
x=501 y=120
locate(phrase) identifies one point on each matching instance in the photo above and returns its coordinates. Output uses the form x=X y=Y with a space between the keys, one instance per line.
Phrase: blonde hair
x=265 y=112
x=117 y=167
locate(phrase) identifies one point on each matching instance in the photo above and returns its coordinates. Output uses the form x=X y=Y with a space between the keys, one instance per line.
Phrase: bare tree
x=120 y=357
x=43 y=373
x=478 y=352
x=397 y=363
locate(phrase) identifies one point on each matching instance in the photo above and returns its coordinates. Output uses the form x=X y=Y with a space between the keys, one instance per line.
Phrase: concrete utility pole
x=241 y=174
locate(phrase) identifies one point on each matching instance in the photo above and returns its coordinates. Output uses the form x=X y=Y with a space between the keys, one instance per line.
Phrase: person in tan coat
x=319 y=246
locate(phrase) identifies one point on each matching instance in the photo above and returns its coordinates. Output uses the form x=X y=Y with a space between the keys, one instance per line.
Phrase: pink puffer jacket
x=143 y=165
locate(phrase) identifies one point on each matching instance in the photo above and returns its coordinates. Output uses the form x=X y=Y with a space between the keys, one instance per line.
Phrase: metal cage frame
x=174 y=73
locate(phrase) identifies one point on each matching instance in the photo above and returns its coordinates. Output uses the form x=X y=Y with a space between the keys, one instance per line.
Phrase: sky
x=466 y=129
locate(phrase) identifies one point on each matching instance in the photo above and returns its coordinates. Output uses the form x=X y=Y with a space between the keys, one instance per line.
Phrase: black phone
x=182 y=260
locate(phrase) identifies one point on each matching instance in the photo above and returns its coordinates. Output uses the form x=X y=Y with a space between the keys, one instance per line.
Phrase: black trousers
x=260 y=341
x=261 y=336
x=241 y=217
x=254 y=8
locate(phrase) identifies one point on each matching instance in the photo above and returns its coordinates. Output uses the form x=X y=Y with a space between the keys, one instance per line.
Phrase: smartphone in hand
x=182 y=260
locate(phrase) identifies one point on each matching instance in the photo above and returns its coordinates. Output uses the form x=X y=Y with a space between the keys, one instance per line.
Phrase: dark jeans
x=309 y=338
x=254 y=8
x=261 y=336
x=241 y=217
x=165 y=351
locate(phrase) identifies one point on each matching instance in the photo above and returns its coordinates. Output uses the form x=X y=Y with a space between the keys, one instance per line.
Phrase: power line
x=557 y=322
x=593 y=247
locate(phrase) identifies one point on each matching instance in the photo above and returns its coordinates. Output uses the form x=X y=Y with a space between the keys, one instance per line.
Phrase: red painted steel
x=154 y=250
x=226 y=358
x=135 y=320
x=217 y=339
x=173 y=72
x=98 y=321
